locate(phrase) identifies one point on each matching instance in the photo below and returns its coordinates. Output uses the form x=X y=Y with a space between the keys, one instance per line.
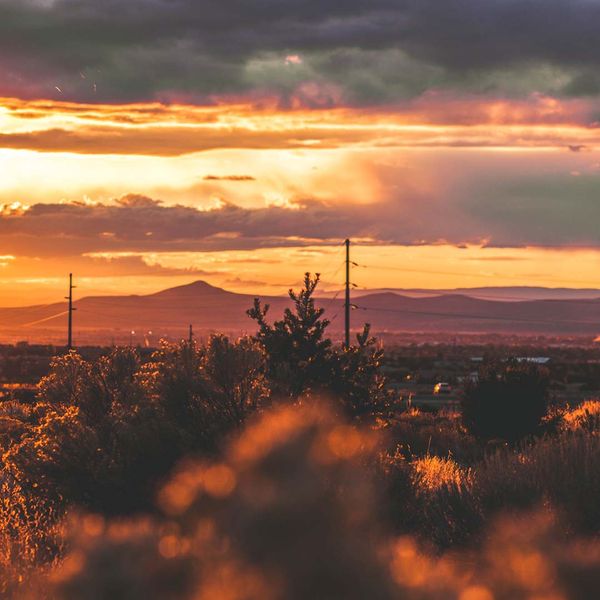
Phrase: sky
x=150 y=143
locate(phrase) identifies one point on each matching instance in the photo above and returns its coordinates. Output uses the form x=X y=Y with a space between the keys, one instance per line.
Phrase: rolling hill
x=100 y=319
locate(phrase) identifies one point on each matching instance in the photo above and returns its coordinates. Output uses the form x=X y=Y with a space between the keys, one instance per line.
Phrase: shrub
x=445 y=504
x=430 y=498
x=106 y=433
x=527 y=556
x=137 y=560
x=15 y=420
x=508 y=401
x=30 y=535
x=446 y=514
x=235 y=373
x=296 y=507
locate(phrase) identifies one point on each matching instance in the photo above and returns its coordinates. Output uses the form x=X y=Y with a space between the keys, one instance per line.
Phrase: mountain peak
x=195 y=288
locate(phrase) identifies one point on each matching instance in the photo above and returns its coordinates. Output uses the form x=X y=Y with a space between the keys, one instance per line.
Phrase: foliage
x=508 y=401
x=15 y=420
x=125 y=561
x=289 y=511
x=118 y=427
x=448 y=504
x=235 y=376
x=563 y=472
x=357 y=378
x=30 y=535
x=299 y=356
x=280 y=502
x=302 y=360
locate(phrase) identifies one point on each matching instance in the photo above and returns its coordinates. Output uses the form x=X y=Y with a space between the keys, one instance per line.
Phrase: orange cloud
x=154 y=129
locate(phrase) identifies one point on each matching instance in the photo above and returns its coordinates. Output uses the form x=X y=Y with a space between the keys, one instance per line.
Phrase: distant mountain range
x=505 y=294
x=101 y=319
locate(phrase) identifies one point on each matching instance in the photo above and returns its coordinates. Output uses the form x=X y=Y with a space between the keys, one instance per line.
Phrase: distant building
x=538 y=360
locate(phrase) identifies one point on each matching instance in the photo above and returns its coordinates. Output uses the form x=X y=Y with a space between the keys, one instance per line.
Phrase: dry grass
x=418 y=434
x=31 y=536
x=586 y=416
x=447 y=503
x=563 y=472
x=433 y=473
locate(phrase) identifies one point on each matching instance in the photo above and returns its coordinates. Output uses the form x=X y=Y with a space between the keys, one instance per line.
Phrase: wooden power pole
x=71 y=310
x=347 y=301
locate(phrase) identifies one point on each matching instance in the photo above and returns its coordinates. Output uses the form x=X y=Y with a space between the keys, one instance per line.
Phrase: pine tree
x=301 y=359
x=299 y=356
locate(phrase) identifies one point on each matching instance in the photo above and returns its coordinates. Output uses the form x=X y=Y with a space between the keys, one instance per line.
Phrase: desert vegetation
x=280 y=466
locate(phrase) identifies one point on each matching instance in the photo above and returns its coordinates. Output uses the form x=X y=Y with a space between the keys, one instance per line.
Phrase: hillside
x=209 y=308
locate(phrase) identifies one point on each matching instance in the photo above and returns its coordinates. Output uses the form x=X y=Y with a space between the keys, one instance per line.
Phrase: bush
x=430 y=498
x=106 y=433
x=30 y=535
x=508 y=401
x=122 y=561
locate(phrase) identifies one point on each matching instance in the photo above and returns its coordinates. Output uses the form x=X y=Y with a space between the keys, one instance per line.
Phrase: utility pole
x=71 y=310
x=191 y=335
x=347 y=302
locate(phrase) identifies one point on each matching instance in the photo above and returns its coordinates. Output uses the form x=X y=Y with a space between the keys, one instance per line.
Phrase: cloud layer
x=314 y=52
x=531 y=213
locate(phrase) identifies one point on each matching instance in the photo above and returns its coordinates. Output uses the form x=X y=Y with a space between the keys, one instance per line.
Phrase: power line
x=339 y=268
x=333 y=258
x=330 y=304
x=471 y=316
x=464 y=274
x=60 y=314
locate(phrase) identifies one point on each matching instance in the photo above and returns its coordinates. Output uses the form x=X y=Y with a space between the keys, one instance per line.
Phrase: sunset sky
x=150 y=143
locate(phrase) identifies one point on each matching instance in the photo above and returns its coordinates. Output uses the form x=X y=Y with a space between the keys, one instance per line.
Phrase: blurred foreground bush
x=291 y=513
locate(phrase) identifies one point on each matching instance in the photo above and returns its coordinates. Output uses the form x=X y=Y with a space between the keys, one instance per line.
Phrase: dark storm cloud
x=373 y=51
